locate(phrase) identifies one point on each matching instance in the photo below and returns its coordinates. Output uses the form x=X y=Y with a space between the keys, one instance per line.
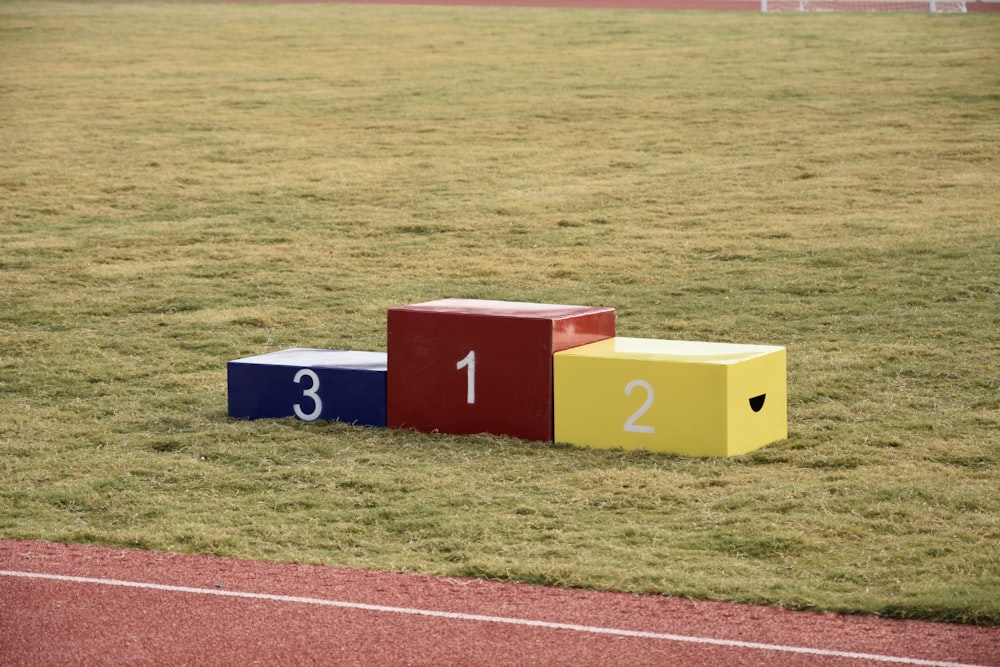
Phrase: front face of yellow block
x=681 y=397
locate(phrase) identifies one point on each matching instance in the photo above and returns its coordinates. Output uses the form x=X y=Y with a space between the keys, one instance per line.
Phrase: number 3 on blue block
x=310 y=384
x=309 y=393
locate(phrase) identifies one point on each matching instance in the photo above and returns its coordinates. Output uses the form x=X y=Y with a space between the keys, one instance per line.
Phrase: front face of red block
x=465 y=366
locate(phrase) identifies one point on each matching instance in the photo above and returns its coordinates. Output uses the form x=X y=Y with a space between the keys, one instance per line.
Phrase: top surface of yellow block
x=677 y=351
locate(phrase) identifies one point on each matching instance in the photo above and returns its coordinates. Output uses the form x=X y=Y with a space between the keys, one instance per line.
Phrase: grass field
x=185 y=184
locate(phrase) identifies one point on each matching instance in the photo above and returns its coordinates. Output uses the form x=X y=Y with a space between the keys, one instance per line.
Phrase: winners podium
x=534 y=371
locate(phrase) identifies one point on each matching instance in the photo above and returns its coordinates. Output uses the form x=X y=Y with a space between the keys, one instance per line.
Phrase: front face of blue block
x=259 y=388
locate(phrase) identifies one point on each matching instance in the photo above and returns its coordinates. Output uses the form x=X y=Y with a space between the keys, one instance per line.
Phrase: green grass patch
x=185 y=184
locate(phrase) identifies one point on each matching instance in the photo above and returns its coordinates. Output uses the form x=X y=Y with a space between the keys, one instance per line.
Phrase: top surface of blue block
x=314 y=358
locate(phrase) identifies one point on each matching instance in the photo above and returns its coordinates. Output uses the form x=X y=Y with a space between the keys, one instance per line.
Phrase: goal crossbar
x=932 y=6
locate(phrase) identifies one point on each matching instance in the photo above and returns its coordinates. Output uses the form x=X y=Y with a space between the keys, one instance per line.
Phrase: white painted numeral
x=309 y=393
x=469 y=361
x=630 y=424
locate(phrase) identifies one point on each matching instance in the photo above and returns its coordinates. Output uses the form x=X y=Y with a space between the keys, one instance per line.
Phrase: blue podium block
x=310 y=384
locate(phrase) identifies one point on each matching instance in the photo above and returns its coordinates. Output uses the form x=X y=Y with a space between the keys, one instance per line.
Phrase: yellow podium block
x=679 y=397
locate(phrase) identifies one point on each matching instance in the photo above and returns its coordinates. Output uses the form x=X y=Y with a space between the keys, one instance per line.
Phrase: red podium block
x=470 y=366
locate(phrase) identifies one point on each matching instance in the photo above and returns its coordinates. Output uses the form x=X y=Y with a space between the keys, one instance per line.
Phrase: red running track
x=79 y=605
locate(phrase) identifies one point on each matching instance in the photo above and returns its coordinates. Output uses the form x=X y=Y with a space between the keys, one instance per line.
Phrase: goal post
x=932 y=6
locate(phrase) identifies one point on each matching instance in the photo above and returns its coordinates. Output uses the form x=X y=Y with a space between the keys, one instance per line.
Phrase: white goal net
x=932 y=6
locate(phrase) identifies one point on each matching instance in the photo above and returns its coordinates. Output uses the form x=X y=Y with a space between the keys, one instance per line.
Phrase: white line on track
x=572 y=627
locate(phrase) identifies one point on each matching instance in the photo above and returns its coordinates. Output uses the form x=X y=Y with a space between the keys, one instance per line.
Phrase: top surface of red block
x=542 y=311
